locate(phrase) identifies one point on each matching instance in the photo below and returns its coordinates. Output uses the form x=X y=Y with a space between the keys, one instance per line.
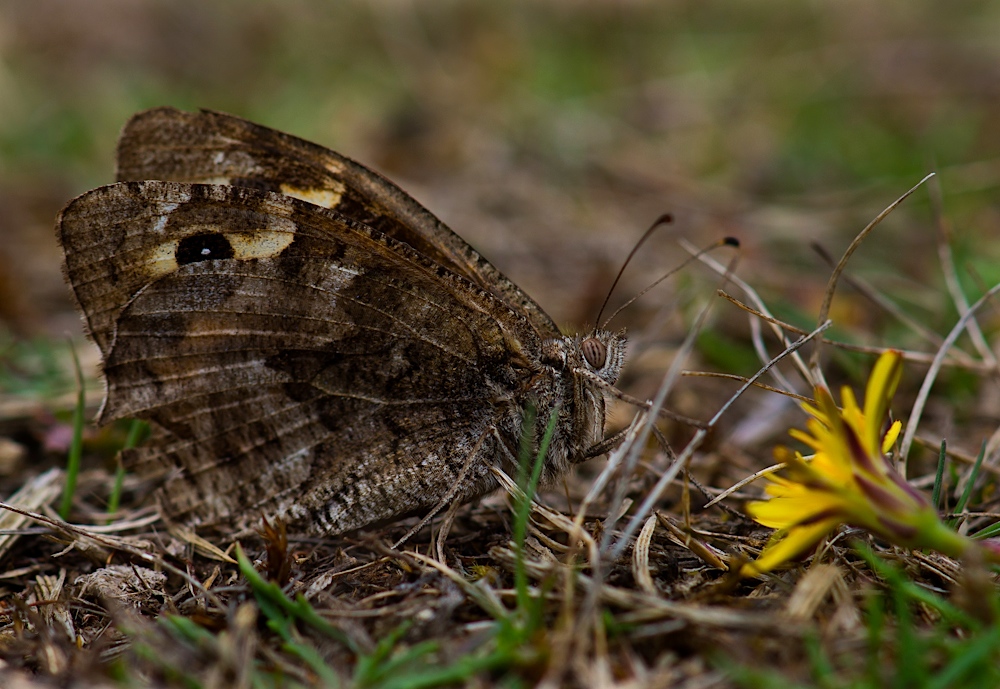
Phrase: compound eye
x=594 y=352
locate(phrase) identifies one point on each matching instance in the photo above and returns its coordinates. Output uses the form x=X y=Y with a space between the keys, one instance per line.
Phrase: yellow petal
x=882 y=384
x=794 y=508
x=847 y=401
x=891 y=435
x=796 y=542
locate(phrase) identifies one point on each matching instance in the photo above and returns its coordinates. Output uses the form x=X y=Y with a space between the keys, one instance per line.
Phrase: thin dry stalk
x=755 y=326
x=38 y=491
x=931 y=376
x=640 y=557
x=831 y=288
x=947 y=260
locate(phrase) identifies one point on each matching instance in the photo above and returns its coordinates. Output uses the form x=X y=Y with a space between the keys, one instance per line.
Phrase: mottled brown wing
x=286 y=354
x=215 y=148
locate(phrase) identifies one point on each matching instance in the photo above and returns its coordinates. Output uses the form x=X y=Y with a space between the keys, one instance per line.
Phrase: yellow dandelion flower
x=849 y=480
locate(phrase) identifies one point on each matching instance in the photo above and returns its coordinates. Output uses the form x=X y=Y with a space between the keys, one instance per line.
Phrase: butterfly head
x=603 y=353
x=600 y=355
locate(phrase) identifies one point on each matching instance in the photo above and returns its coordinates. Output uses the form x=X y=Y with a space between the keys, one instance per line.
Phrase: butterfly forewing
x=215 y=148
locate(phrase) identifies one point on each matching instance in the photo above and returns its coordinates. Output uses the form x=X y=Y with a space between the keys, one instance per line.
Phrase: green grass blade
x=522 y=508
x=896 y=581
x=967 y=493
x=76 y=445
x=977 y=655
x=939 y=476
x=366 y=669
x=273 y=602
x=281 y=613
x=459 y=672
x=135 y=432
x=988 y=531
x=875 y=608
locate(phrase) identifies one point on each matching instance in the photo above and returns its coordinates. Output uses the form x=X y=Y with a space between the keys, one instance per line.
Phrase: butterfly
x=306 y=340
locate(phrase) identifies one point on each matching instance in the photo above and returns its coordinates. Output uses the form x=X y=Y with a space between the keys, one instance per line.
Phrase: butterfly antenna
x=725 y=241
x=664 y=219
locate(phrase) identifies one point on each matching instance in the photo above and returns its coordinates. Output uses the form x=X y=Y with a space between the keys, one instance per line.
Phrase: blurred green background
x=549 y=134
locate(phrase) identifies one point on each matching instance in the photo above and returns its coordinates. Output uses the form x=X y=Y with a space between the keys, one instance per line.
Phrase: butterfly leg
x=604 y=446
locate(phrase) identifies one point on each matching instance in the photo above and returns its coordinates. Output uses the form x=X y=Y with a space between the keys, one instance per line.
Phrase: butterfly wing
x=215 y=148
x=294 y=361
